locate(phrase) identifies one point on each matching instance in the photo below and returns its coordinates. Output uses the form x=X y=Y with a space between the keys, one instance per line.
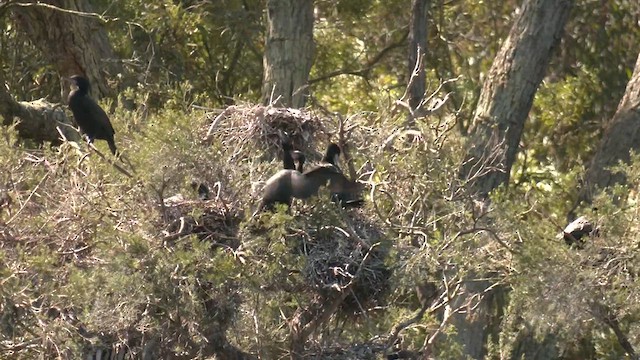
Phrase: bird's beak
x=71 y=83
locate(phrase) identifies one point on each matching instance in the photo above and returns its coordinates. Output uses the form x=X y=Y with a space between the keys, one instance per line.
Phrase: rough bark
x=74 y=43
x=621 y=135
x=508 y=92
x=36 y=120
x=417 y=43
x=504 y=104
x=480 y=320
x=288 y=53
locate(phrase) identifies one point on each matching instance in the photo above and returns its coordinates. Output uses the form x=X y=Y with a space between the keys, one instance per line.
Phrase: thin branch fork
x=422 y=110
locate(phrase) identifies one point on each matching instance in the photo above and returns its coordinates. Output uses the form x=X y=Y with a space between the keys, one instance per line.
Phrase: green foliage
x=90 y=257
x=212 y=45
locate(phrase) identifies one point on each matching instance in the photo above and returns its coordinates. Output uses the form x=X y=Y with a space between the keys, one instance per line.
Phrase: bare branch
x=366 y=68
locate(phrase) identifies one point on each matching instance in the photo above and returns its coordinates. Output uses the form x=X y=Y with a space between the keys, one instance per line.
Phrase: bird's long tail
x=112 y=146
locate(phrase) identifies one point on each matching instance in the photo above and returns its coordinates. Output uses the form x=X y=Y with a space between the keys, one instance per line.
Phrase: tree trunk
x=479 y=320
x=288 y=52
x=37 y=119
x=417 y=42
x=508 y=92
x=621 y=135
x=503 y=107
x=76 y=44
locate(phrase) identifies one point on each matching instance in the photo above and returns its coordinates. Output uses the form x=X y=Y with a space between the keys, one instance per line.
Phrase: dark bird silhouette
x=90 y=117
x=292 y=159
x=5 y=200
x=287 y=158
x=332 y=155
x=202 y=189
x=285 y=185
x=345 y=198
x=299 y=159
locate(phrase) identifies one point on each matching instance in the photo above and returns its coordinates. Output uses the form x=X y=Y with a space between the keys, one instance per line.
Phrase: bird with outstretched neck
x=332 y=155
x=298 y=159
x=287 y=158
x=345 y=198
x=285 y=185
x=89 y=116
x=292 y=159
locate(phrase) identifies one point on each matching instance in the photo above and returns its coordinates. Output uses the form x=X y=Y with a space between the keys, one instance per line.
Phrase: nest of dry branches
x=248 y=128
x=350 y=259
x=214 y=221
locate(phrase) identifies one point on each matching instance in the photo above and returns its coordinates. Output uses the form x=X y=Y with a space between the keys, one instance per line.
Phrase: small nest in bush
x=264 y=127
x=211 y=220
x=354 y=261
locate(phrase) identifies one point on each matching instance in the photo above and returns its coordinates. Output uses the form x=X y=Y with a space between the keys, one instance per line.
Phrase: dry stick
x=215 y=122
x=366 y=68
x=604 y=314
x=118 y=167
x=478 y=229
x=417 y=68
x=420 y=110
x=428 y=344
x=68 y=11
x=435 y=305
x=29 y=198
x=102 y=18
x=344 y=132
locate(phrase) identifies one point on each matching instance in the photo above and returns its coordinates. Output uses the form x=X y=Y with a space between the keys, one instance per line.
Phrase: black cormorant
x=90 y=117
x=332 y=155
x=288 y=184
x=299 y=159
x=287 y=159
x=345 y=198
x=202 y=189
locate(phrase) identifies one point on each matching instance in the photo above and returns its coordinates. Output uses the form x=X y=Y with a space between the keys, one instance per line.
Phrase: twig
x=495 y=236
x=215 y=122
x=29 y=198
x=118 y=167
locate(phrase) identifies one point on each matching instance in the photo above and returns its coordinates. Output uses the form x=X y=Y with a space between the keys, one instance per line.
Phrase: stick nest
x=248 y=128
x=211 y=220
x=351 y=260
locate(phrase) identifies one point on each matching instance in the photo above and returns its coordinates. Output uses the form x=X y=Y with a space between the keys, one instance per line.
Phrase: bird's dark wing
x=99 y=116
x=90 y=117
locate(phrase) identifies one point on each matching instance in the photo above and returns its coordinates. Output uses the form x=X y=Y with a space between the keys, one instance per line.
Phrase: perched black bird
x=90 y=117
x=288 y=184
x=345 y=198
x=292 y=159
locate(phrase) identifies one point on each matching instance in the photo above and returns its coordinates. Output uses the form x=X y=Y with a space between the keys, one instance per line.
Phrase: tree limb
x=367 y=67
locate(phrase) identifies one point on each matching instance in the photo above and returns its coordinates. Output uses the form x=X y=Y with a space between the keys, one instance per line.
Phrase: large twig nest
x=211 y=220
x=348 y=259
x=264 y=127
